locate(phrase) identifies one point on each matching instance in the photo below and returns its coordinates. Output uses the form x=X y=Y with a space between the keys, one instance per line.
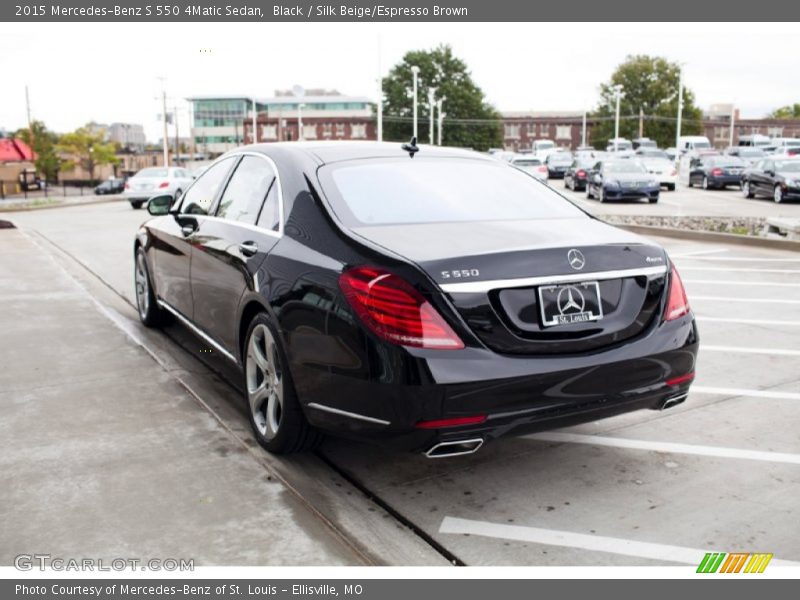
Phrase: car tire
x=601 y=194
x=705 y=183
x=747 y=191
x=671 y=187
x=149 y=312
x=653 y=200
x=275 y=414
x=777 y=194
x=691 y=183
x=136 y=204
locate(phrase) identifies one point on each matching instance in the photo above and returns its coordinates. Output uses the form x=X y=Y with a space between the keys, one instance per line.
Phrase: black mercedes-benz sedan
x=427 y=299
x=775 y=177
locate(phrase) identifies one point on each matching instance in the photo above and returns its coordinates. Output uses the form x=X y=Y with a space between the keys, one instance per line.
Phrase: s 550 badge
x=460 y=274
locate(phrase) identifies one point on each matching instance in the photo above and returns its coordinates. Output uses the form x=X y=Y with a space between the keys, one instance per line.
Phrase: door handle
x=248 y=248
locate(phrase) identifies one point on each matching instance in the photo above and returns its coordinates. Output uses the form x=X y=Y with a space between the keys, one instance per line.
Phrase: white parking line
x=583 y=541
x=741 y=258
x=747 y=321
x=745 y=350
x=748 y=300
x=741 y=282
x=723 y=391
x=741 y=270
x=673 y=448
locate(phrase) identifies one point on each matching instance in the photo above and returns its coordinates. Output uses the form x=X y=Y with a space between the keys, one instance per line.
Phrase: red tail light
x=581 y=173
x=680 y=379
x=542 y=169
x=163 y=184
x=127 y=185
x=395 y=311
x=716 y=172
x=453 y=422
x=677 y=302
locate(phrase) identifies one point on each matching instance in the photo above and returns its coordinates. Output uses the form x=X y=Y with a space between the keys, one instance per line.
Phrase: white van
x=693 y=143
x=543 y=148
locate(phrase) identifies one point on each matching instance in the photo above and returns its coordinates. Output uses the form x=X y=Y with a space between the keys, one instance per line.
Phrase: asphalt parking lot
x=720 y=472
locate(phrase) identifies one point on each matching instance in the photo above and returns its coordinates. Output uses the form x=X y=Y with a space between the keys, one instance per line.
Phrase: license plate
x=570 y=303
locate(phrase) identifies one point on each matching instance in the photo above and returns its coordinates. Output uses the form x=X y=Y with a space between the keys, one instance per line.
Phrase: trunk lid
x=507 y=279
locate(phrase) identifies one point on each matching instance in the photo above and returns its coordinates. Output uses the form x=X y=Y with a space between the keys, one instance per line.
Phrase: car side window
x=198 y=199
x=246 y=191
x=270 y=217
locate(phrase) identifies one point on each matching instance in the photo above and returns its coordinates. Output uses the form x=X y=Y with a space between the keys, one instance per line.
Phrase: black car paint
x=704 y=170
x=598 y=182
x=763 y=177
x=523 y=380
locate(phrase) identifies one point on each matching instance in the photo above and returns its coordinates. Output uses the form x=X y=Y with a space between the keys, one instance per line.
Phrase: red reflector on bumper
x=454 y=422
x=681 y=379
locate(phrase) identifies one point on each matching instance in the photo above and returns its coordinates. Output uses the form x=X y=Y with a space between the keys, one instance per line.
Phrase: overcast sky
x=108 y=71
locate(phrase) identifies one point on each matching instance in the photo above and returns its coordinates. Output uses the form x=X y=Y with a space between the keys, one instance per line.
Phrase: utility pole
x=414 y=74
x=300 y=122
x=380 y=94
x=641 y=122
x=441 y=117
x=30 y=121
x=164 y=119
x=733 y=122
x=618 y=90
x=431 y=107
x=177 y=138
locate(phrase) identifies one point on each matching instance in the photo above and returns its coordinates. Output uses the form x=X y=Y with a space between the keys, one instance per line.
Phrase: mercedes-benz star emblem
x=576 y=259
x=570 y=299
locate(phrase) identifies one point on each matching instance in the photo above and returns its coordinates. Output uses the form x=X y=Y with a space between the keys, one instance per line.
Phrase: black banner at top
x=398 y=11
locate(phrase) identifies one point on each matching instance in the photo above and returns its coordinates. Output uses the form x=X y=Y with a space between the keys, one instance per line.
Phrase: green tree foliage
x=786 y=112
x=650 y=84
x=43 y=143
x=439 y=68
x=87 y=149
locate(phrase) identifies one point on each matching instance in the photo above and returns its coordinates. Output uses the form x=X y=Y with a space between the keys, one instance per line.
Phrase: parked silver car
x=156 y=180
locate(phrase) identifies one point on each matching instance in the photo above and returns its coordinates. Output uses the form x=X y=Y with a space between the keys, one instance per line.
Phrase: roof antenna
x=412 y=147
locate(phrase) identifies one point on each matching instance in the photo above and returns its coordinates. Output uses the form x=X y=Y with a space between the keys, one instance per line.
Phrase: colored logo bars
x=734 y=562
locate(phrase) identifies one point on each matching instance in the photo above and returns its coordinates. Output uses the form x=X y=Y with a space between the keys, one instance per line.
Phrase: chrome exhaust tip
x=454 y=448
x=674 y=401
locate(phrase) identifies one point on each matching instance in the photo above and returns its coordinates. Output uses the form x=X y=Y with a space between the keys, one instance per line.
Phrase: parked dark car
x=558 y=163
x=575 y=176
x=110 y=186
x=429 y=303
x=716 y=171
x=622 y=179
x=776 y=178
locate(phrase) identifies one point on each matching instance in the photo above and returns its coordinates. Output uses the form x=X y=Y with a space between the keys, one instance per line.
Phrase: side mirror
x=159 y=205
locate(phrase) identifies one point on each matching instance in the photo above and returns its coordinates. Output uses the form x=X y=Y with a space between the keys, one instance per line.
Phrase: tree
x=43 y=143
x=88 y=149
x=786 y=112
x=464 y=100
x=650 y=84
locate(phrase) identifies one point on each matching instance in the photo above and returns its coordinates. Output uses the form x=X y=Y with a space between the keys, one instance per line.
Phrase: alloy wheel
x=142 y=286
x=746 y=189
x=264 y=378
x=778 y=195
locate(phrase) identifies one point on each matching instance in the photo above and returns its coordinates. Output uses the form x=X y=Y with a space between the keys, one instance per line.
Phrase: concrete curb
x=713 y=236
x=4 y=209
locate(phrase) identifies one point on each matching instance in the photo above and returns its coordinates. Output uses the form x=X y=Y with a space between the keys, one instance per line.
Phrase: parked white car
x=156 y=180
x=531 y=164
x=543 y=148
x=659 y=165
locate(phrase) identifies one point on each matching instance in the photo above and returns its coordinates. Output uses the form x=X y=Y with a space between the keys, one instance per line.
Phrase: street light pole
x=618 y=91
x=680 y=111
x=733 y=122
x=380 y=94
x=431 y=107
x=300 y=122
x=164 y=119
x=441 y=117
x=414 y=74
x=583 y=130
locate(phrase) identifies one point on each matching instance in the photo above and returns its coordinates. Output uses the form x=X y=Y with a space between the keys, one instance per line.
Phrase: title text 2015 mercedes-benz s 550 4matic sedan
x=425 y=298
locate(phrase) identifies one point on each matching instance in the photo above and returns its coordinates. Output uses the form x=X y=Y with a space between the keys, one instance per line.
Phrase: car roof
x=336 y=151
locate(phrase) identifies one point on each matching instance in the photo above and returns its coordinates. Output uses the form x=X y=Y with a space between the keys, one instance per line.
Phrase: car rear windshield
x=527 y=162
x=726 y=161
x=438 y=190
x=152 y=173
x=627 y=166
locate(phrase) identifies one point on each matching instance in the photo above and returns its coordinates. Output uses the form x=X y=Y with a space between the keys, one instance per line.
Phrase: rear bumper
x=517 y=395
x=630 y=193
x=725 y=180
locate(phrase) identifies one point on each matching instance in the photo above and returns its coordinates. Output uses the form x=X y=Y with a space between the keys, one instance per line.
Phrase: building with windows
x=520 y=129
x=223 y=122
x=129 y=136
